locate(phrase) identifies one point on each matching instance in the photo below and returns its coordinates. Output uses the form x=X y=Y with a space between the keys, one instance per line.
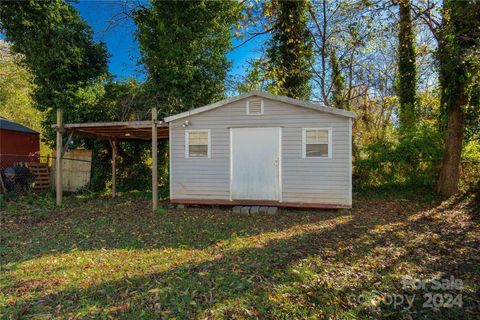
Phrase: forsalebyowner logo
x=433 y=293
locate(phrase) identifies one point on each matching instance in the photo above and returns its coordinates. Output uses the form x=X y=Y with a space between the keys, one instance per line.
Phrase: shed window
x=254 y=107
x=317 y=143
x=197 y=144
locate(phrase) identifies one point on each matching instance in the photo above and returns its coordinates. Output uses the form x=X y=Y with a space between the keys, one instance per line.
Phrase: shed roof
x=296 y=102
x=6 y=124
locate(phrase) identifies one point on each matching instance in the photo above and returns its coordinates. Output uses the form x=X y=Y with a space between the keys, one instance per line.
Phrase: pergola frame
x=112 y=132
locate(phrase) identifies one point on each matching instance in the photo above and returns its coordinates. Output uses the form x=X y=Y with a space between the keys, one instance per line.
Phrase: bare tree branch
x=254 y=35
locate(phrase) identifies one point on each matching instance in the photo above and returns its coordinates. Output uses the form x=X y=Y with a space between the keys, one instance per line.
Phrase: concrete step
x=251 y=210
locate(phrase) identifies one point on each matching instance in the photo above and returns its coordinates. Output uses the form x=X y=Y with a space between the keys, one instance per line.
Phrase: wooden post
x=113 y=143
x=154 y=161
x=3 y=189
x=58 y=164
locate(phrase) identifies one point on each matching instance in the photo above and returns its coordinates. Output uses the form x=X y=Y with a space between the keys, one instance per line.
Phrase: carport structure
x=113 y=132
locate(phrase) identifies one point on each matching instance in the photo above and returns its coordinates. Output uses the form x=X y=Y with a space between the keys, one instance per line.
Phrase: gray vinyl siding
x=310 y=180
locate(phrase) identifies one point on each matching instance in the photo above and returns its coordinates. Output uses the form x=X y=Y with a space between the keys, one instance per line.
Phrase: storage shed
x=262 y=149
x=17 y=143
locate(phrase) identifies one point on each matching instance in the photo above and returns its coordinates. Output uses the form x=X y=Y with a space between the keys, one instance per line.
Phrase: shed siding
x=303 y=180
x=18 y=146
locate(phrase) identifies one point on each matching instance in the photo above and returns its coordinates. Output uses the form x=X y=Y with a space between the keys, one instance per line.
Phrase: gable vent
x=254 y=106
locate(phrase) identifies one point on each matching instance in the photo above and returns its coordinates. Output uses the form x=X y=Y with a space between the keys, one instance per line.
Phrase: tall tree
x=290 y=49
x=407 y=73
x=58 y=48
x=338 y=83
x=459 y=36
x=184 y=46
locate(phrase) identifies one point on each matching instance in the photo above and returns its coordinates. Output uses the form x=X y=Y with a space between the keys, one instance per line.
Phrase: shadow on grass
x=308 y=274
x=129 y=224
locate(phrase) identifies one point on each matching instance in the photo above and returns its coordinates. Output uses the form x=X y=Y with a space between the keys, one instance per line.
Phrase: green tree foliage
x=16 y=89
x=58 y=48
x=116 y=101
x=255 y=78
x=290 y=49
x=184 y=46
x=459 y=37
x=472 y=118
x=413 y=160
x=338 y=84
x=407 y=73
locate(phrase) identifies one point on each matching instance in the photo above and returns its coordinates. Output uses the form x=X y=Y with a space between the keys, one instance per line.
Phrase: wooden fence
x=76 y=169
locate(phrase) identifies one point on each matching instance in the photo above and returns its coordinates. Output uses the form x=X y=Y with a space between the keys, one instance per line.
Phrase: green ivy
x=412 y=160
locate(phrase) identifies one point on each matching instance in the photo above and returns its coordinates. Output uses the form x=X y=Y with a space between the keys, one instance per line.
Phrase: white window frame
x=254 y=114
x=304 y=143
x=187 y=145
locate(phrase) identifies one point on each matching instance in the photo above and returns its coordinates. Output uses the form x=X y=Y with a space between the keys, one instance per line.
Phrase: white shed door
x=255 y=163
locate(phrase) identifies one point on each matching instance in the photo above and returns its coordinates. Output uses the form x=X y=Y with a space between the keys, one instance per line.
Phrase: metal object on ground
x=17 y=179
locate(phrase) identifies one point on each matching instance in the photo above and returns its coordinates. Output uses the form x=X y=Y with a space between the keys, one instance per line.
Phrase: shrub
x=413 y=160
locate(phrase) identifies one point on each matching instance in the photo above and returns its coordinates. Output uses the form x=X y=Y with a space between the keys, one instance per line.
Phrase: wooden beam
x=58 y=165
x=130 y=124
x=154 y=160
x=113 y=143
x=99 y=133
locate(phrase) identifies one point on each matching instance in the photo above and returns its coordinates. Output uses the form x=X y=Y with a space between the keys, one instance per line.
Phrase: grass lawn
x=96 y=258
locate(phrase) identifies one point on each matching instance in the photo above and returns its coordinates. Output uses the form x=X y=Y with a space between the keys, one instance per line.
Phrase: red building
x=17 y=143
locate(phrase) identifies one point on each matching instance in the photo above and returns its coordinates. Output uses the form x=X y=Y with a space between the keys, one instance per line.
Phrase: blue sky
x=123 y=47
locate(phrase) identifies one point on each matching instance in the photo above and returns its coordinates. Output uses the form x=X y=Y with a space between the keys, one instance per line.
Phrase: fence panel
x=76 y=169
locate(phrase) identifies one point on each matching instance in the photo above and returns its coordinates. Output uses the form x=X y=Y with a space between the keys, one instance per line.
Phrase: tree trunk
x=407 y=72
x=450 y=171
